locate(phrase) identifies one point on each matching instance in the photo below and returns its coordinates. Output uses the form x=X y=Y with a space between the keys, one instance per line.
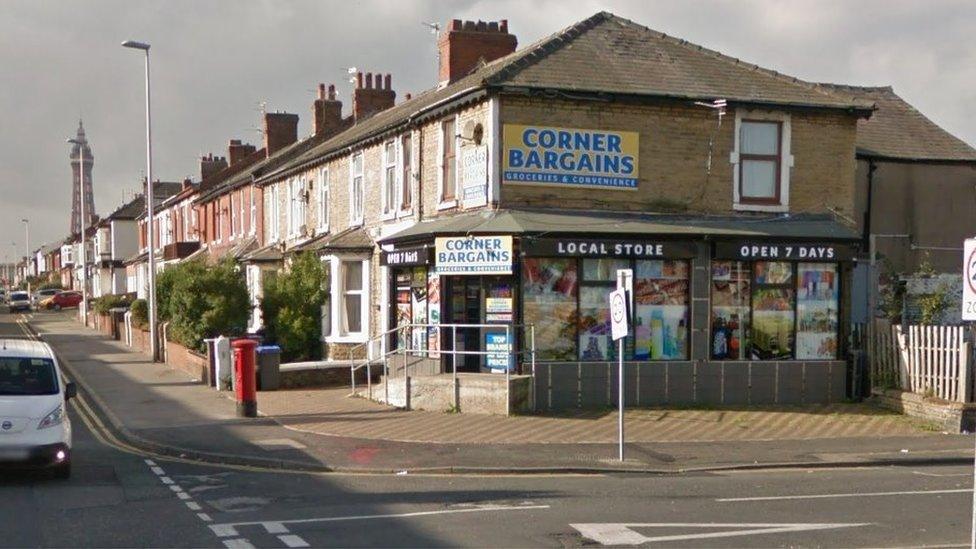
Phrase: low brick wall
x=187 y=360
x=476 y=393
x=333 y=376
x=953 y=417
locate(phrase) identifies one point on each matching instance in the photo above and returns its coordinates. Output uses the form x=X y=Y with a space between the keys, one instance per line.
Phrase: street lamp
x=83 y=308
x=27 y=253
x=149 y=205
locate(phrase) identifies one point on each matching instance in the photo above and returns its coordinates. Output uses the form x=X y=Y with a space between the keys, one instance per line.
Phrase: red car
x=63 y=300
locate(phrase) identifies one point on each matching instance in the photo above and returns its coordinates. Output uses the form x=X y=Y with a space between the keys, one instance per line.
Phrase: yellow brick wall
x=674 y=145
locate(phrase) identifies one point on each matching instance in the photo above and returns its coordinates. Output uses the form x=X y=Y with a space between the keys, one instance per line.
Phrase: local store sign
x=969 y=279
x=473 y=255
x=589 y=247
x=570 y=157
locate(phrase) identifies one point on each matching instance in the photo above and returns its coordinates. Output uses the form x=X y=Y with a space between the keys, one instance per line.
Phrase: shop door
x=479 y=300
x=464 y=306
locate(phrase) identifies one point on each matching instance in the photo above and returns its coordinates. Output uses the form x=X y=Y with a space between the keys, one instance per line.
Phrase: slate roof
x=351 y=239
x=899 y=131
x=552 y=221
x=130 y=210
x=603 y=54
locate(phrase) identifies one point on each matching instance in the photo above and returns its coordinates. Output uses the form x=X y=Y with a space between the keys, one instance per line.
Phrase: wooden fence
x=931 y=360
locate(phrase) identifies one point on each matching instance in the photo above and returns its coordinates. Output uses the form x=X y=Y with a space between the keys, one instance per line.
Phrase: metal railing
x=403 y=333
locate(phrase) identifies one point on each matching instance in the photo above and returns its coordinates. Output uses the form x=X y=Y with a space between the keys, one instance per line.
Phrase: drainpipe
x=866 y=231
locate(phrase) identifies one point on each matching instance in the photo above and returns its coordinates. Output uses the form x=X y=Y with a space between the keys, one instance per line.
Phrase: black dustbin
x=269 y=367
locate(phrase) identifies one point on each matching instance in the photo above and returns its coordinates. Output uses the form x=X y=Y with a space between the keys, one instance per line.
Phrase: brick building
x=510 y=193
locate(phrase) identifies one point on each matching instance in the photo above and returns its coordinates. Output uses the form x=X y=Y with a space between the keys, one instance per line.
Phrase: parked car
x=34 y=427
x=41 y=295
x=19 y=301
x=62 y=300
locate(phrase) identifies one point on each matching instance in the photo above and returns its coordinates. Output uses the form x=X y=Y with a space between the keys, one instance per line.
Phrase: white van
x=34 y=426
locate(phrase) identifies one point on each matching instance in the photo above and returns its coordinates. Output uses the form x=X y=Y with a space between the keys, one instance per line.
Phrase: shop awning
x=549 y=221
x=350 y=240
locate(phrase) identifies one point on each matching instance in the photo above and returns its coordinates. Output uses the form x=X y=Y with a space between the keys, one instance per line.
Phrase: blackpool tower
x=76 y=157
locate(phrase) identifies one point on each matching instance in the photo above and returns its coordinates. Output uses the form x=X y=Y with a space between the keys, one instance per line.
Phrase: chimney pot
x=388 y=82
x=332 y=92
x=369 y=80
x=373 y=97
x=503 y=26
x=326 y=112
x=359 y=80
x=455 y=25
x=321 y=94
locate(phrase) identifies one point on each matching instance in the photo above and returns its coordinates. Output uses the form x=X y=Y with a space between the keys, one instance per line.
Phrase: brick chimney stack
x=466 y=43
x=326 y=111
x=236 y=151
x=210 y=165
x=280 y=130
x=368 y=99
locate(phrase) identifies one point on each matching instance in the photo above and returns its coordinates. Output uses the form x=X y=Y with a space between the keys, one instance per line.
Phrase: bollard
x=245 y=381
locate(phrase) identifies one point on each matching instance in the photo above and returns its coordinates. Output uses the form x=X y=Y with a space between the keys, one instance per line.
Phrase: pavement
x=157 y=409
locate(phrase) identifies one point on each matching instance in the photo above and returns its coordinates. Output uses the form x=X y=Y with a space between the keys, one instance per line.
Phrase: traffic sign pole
x=619 y=326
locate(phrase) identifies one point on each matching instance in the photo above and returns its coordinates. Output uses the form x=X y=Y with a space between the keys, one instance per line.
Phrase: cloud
x=215 y=62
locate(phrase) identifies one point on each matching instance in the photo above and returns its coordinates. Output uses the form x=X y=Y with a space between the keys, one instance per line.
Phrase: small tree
x=292 y=308
x=206 y=301
x=140 y=312
x=50 y=286
x=108 y=302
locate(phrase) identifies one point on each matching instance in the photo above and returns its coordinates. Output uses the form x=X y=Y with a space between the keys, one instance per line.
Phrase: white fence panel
x=929 y=360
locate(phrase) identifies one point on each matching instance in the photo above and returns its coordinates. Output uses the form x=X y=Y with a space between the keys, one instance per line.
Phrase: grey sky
x=215 y=61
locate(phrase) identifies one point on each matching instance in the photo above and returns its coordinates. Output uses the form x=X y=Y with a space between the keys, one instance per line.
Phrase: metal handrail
x=385 y=354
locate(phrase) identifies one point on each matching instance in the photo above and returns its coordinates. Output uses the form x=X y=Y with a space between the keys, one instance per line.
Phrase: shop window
x=411 y=307
x=774 y=310
x=731 y=283
x=816 y=311
x=599 y=278
x=661 y=310
x=549 y=294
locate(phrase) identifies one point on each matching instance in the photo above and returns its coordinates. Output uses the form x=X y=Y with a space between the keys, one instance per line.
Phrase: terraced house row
x=488 y=215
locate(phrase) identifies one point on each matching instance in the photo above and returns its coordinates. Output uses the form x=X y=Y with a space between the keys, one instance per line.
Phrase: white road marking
x=623 y=533
x=175 y=488
x=157 y=470
x=204 y=517
x=223 y=530
x=183 y=495
x=940 y=474
x=278 y=444
x=230 y=526
x=166 y=480
x=293 y=541
x=238 y=544
x=194 y=506
x=857 y=495
x=150 y=462
x=275 y=528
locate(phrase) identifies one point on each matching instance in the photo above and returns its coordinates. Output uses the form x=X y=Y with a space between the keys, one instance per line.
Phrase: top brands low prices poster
x=543 y=155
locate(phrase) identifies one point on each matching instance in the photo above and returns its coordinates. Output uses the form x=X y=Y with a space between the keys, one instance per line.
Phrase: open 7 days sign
x=969 y=280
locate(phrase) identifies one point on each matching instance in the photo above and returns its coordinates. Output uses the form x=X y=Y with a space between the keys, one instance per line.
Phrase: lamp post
x=27 y=254
x=83 y=308
x=149 y=205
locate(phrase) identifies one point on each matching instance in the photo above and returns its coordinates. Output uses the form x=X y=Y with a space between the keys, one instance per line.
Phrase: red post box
x=245 y=380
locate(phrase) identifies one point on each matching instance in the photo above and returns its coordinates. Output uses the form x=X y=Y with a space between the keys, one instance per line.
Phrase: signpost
x=619 y=326
x=969 y=314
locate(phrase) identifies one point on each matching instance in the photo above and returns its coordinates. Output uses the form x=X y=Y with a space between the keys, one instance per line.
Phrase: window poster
x=730 y=309
x=594 y=329
x=418 y=304
x=772 y=310
x=549 y=288
x=433 y=314
x=817 y=301
x=403 y=310
x=661 y=310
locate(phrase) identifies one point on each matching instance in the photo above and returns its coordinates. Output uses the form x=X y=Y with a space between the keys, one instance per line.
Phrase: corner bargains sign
x=473 y=255
x=566 y=157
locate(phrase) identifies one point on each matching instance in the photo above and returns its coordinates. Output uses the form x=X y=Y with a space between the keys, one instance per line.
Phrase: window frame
x=406 y=174
x=252 y=229
x=322 y=195
x=389 y=154
x=337 y=332
x=233 y=217
x=445 y=202
x=776 y=158
x=784 y=159
x=354 y=219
